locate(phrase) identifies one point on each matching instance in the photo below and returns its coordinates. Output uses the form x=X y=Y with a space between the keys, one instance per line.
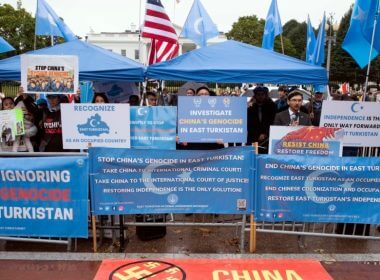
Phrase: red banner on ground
x=203 y=269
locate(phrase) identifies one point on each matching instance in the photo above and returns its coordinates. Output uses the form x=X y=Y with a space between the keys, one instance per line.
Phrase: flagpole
x=174 y=10
x=282 y=44
x=370 y=52
x=140 y=32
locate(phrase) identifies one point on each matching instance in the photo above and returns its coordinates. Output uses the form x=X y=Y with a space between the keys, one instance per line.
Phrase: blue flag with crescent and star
x=5 y=46
x=318 y=56
x=199 y=27
x=359 y=36
x=48 y=23
x=273 y=26
x=310 y=43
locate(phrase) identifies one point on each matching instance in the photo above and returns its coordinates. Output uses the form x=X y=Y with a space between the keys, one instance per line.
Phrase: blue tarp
x=235 y=62
x=95 y=63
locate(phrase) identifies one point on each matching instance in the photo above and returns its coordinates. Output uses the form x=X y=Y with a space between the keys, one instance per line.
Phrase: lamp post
x=331 y=39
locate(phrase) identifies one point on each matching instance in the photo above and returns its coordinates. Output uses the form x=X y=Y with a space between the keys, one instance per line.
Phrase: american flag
x=162 y=51
x=158 y=27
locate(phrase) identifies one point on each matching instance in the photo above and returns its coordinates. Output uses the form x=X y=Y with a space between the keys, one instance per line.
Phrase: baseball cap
x=41 y=101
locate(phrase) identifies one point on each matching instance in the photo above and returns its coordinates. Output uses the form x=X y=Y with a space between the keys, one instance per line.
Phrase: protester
x=282 y=102
x=314 y=108
x=23 y=142
x=151 y=99
x=201 y=91
x=6 y=131
x=173 y=100
x=41 y=104
x=293 y=116
x=51 y=126
x=190 y=92
x=7 y=103
x=134 y=100
x=100 y=97
x=260 y=117
x=164 y=98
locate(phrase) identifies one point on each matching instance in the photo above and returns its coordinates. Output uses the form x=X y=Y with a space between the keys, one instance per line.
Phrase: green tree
x=249 y=29
x=296 y=33
x=17 y=27
x=343 y=67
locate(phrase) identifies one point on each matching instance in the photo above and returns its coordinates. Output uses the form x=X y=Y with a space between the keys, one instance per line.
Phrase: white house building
x=127 y=43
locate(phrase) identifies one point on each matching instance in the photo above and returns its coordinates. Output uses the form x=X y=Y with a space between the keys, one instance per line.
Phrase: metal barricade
x=355 y=231
x=176 y=220
x=335 y=230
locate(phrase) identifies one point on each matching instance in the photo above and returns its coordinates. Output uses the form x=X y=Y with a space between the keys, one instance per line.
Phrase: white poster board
x=360 y=121
x=54 y=74
x=95 y=125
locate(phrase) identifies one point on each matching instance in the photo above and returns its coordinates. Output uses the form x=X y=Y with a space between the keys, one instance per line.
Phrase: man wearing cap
x=281 y=102
x=293 y=116
x=41 y=104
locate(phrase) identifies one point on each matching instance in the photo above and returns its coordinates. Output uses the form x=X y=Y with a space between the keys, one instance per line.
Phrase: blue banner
x=138 y=181
x=153 y=127
x=44 y=197
x=311 y=189
x=207 y=119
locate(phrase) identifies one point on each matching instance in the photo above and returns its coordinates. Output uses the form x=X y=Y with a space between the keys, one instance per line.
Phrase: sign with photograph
x=12 y=124
x=307 y=141
x=52 y=74
x=95 y=125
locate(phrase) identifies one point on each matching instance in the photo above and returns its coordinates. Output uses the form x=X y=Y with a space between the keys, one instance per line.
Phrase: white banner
x=52 y=74
x=95 y=125
x=360 y=121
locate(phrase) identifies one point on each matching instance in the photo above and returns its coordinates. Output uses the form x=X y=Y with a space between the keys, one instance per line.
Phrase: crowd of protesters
x=43 y=124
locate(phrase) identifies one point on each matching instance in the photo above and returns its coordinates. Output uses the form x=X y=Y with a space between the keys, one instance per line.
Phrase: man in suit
x=293 y=116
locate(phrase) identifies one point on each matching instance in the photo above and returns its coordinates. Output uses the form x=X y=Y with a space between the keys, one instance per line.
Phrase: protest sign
x=139 y=181
x=207 y=269
x=96 y=125
x=12 y=124
x=207 y=119
x=54 y=74
x=45 y=197
x=311 y=189
x=308 y=141
x=153 y=127
x=360 y=121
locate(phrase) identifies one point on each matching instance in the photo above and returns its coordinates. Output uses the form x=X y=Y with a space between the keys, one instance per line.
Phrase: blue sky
x=117 y=15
